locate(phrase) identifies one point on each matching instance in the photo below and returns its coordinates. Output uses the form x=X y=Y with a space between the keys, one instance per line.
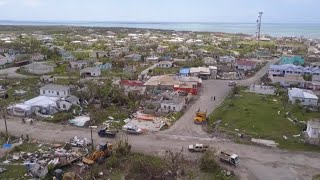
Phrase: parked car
x=107 y=133
x=197 y=147
x=132 y=129
x=232 y=83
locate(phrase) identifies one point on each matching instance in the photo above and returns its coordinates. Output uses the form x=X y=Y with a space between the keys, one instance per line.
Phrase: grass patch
x=257 y=116
x=262 y=43
x=60 y=117
x=317 y=177
x=29 y=85
x=13 y=172
x=25 y=147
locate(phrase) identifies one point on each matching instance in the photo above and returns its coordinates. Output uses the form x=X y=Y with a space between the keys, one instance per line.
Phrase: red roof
x=131 y=83
x=246 y=63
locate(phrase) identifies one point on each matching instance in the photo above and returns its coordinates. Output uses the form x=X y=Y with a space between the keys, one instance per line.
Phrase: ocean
x=273 y=29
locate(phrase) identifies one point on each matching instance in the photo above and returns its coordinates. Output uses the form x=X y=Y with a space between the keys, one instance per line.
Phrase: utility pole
x=5 y=121
x=259 y=27
x=91 y=138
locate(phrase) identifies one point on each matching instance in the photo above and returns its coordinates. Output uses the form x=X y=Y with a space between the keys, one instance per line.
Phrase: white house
x=165 y=64
x=290 y=69
x=91 y=71
x=209 y=61
x=152 y=59
x=313 y=129
x=245 y=65
x=55 y=90
x=39 y=68
x=162 y=49
x=200 y=71
x=42 y=104
x=306 y=97
x=227 y=59
x=66 y=103
x=175 y=105
x=38 y=57
x=78 y=64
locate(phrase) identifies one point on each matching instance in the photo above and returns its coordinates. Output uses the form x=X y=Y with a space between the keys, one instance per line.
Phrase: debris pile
x=54 y=155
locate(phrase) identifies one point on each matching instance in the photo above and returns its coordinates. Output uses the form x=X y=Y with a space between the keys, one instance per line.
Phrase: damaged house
x=53 y=98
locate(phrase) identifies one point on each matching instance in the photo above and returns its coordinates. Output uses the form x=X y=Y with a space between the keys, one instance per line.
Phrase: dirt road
x=256 y=162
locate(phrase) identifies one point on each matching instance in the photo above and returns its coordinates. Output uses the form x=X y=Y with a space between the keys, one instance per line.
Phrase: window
x=43 y=91
x=64 y=106
x=58 y=93
x=165 y=107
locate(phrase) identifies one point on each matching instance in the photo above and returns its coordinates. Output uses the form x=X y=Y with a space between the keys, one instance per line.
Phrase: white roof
x=213 y=67
x=42 y=101
x=302 y=93
x=233 y=156
x=199 y=69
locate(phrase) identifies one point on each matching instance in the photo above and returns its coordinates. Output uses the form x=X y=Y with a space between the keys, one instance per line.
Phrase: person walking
x=214 y=98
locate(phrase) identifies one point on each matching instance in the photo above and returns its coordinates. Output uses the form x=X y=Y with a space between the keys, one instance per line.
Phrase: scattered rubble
x=269 y=143
x=79 y=120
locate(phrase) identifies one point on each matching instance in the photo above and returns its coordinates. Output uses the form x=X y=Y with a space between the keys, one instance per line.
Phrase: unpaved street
x=256 y=162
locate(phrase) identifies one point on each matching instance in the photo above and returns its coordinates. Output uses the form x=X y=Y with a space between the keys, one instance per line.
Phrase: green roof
x=296 y=60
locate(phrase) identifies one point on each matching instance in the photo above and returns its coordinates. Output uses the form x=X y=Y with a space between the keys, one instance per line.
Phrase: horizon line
x=148 y=22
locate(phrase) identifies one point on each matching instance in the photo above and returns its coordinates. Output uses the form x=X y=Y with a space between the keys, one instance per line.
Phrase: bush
x=208 y=163
x=235 y=90
x=113 y=162
x=148 y=167
x=63 y=116
x=123 y=148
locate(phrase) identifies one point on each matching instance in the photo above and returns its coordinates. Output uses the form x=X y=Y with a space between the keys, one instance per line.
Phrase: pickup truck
x=229 y=158
x=197 y=147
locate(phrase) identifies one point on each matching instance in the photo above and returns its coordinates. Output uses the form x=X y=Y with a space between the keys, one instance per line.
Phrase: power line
x=259 y=27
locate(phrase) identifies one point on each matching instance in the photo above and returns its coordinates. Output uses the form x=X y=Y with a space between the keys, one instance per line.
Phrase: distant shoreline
x=308 y=30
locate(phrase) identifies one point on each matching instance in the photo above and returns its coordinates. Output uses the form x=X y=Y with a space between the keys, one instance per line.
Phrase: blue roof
x=184 y=71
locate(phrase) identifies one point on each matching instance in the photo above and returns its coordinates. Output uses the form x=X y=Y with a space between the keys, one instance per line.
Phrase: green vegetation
x=317 y=177
x=212 y=169
x=60 y=117
x=25 y=147
x=13 y=172
x=257 y=116
x=30 y=85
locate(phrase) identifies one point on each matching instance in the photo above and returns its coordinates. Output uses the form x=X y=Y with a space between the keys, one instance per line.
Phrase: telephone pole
x=5 y=121
x=259 y=27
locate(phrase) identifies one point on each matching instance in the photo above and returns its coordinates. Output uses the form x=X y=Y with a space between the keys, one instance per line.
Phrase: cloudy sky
x=277 y=11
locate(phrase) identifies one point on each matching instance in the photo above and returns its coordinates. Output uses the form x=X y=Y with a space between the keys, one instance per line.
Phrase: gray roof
x=38 y=66
x=172 y=102
x=91 y=69
x=55 y=87
x=72 y=99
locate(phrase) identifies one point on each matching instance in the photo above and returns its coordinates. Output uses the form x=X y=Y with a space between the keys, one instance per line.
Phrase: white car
x=197 y=148
x=232 y=83
x=132 y=129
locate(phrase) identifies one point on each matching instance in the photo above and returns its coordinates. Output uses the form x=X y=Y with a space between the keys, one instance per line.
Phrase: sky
x=244 y=11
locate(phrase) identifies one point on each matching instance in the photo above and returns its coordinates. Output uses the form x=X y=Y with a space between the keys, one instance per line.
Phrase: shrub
x=208 y=163
x=113 y=162
x=123 y=148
